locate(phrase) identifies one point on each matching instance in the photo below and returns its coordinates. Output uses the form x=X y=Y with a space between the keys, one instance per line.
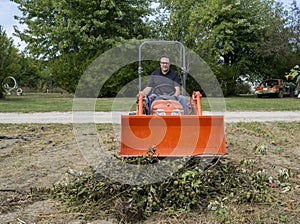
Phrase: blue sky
x=8 y=9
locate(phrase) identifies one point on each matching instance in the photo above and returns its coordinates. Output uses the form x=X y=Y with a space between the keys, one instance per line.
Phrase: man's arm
x=177 y=91
x=176 y=83
x=147 y=90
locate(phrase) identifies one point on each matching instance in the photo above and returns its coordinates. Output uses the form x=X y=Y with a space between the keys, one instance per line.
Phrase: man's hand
x=151 y=97
x=177 y=91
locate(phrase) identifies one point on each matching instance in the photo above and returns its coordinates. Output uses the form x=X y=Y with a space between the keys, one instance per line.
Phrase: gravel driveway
x=114 y=117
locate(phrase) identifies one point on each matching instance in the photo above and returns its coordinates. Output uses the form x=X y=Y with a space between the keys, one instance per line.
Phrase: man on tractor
x=164 y=129
x=165 y=84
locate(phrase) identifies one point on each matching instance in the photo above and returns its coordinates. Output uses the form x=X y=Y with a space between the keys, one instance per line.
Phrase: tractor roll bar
x=183 y=68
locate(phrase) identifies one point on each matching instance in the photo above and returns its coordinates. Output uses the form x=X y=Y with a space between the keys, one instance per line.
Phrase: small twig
x=21 y=221
x=117 y=195
x=58 y=147
x=58 y=215
x=12 y=190
x=8 y=190
x=216 y=162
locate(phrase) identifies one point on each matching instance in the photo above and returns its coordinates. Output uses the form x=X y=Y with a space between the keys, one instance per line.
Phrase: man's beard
x=165 y=69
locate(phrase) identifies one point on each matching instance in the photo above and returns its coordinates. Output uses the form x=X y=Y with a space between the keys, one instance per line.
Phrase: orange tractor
x=166 y=130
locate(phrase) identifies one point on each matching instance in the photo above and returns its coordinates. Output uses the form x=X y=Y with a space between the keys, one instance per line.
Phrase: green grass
x=36 y=103
x=262 y=104
x=43 y=102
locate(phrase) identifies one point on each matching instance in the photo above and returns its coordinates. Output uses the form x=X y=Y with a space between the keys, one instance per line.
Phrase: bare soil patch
x=35 y=156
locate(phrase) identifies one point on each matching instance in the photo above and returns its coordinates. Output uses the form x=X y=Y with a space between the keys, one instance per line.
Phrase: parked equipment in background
x=275 y=88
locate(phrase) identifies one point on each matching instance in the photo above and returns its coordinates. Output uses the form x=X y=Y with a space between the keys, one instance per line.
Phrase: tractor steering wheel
x=159 y=92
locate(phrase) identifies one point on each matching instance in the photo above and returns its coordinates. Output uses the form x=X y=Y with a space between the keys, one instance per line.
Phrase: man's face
x=165 y=64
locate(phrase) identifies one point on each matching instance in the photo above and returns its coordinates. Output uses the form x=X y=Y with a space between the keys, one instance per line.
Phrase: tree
x=8 y=58
x=294 y=22
x=71 y=33
x=234 y=37
x=31 y=75
x=294 y=26
x=275 y=52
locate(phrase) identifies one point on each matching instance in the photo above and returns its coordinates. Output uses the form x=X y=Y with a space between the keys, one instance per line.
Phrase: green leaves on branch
x=249 y=38
x=246 y=38
x=189 y=189
x=71 y=33
x=61 y=26
x=9 y=58
x=294 y=74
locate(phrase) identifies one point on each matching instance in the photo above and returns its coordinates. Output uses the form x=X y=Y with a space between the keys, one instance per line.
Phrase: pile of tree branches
x=192 y=188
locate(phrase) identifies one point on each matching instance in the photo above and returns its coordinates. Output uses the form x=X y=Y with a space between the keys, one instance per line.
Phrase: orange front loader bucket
x=173 y=135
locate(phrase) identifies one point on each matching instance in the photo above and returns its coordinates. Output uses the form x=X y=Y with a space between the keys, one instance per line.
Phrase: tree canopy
x=255 y=39
x=71 y=33
x=236 y=38
x=62 y=26
x=9 y=65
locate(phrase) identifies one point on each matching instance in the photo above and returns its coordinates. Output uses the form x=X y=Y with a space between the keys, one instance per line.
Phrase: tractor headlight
x=160 y=113
x=175 y=113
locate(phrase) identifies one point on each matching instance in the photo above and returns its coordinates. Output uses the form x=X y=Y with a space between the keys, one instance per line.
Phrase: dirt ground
x=39 y=155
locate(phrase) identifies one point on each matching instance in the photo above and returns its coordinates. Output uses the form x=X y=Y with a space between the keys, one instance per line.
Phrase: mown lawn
x=43 y=102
